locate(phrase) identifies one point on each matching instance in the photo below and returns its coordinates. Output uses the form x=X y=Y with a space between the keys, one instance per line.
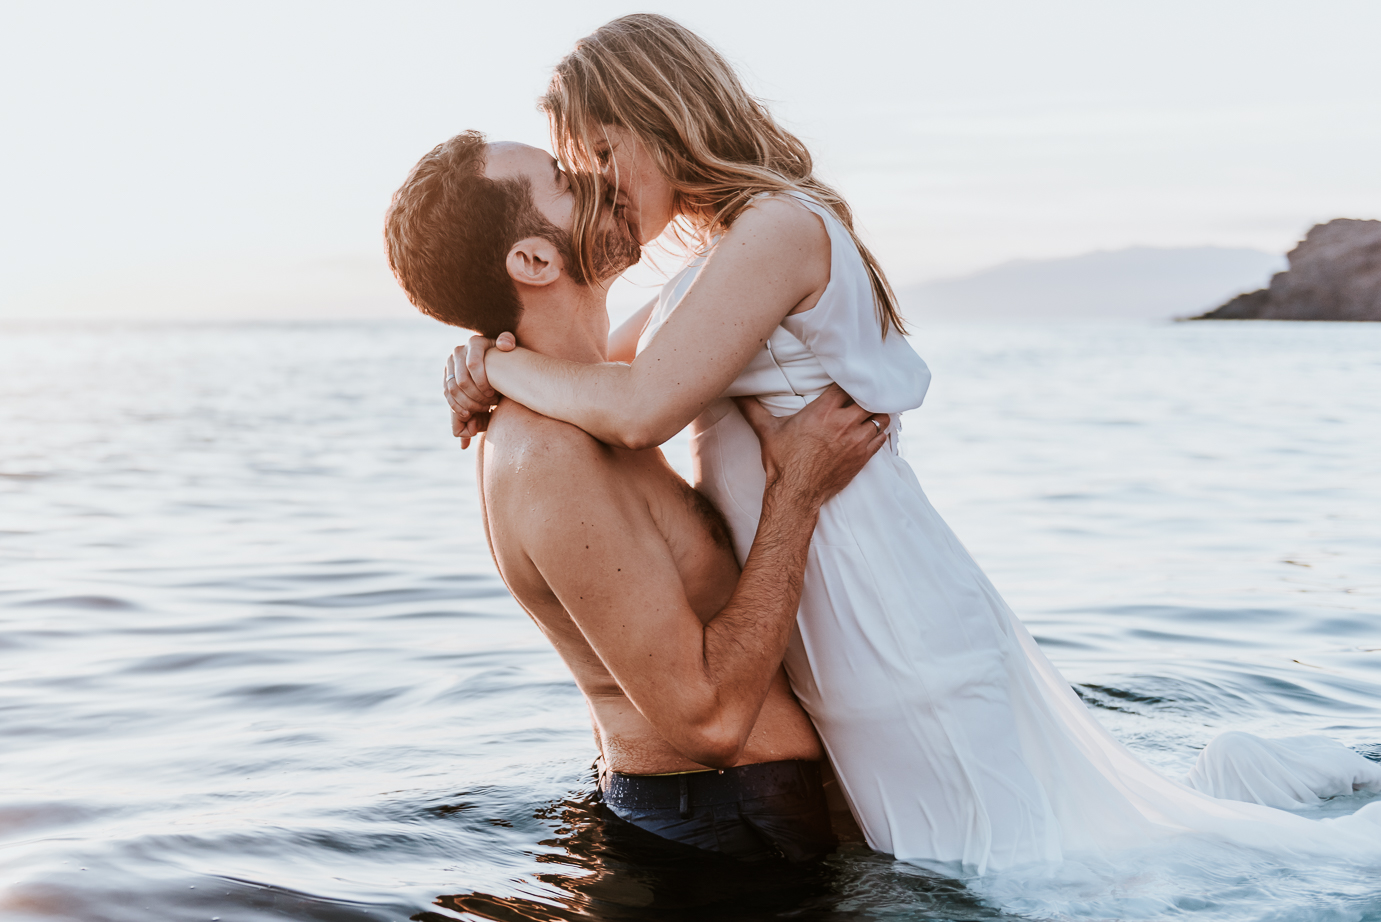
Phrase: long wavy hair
x=716 y=144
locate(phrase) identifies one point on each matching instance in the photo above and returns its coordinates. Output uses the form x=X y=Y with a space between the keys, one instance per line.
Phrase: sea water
x=256 y=662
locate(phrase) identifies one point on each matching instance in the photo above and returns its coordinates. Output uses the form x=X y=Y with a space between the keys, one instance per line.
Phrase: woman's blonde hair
x=716 y=145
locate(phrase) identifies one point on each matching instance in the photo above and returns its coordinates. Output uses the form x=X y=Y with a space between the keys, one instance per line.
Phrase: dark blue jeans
x=749 y=812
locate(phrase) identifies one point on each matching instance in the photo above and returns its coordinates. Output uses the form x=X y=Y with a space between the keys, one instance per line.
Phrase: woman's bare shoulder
x=784 y=212
x=781 y=225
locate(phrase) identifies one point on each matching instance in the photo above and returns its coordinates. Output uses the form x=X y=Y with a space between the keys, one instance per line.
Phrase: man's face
x=615 y=246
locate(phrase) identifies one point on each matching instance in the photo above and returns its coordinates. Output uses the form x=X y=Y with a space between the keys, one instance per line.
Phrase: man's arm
x=700 y=685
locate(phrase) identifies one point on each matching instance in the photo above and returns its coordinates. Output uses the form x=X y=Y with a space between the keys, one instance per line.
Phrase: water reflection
x=601 y=868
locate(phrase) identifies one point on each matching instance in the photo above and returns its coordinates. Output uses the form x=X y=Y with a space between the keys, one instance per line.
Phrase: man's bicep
x=608 y=564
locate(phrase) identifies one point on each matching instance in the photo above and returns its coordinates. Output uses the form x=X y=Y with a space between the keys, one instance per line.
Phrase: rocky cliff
x=1334 y=274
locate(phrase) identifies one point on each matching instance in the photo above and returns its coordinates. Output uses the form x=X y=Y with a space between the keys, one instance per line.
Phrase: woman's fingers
x=458 y=402
x=462 y=393
x=506 y=342
x=474 y=363
x=469 y=428
x=472 y=397
x=449 y=389
x=467 y=389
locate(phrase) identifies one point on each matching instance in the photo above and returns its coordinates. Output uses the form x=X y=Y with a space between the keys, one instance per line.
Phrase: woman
x=956 y=742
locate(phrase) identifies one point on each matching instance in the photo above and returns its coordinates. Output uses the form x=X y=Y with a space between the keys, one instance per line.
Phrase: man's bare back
x=537 y=477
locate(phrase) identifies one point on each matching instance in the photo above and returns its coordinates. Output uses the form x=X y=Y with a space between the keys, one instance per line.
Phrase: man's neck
x=566 y=321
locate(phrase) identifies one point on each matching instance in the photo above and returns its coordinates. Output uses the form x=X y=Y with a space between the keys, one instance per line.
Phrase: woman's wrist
x=499 y=367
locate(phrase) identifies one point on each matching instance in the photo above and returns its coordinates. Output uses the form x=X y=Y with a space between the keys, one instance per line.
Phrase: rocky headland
x=1334 y=274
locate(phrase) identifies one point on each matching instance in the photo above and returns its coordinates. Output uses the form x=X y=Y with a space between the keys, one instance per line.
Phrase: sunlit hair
x=717 y=146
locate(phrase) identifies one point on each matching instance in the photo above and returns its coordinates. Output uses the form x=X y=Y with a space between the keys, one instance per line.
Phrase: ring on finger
x=877 y=425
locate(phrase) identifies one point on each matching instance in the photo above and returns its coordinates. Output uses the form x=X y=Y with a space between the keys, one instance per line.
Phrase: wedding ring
x=875 y=423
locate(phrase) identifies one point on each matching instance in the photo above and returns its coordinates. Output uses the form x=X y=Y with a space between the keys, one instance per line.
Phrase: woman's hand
x=466 y=385
x=815 y=453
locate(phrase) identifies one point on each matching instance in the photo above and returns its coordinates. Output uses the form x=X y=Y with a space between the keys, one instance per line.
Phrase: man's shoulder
x=544 y=480
x=523 y=446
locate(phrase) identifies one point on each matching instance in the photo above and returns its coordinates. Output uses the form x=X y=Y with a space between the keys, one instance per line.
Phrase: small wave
x=89 y=602
x=21 y=820
x=1118 y=699
x=341 y=576
x=180 y=662
x=1167 y=637
x=1255 y=617
x=393 y=597
x=296 y=694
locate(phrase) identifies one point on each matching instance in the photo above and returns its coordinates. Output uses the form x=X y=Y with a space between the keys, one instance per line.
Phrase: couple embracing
x=803 y=605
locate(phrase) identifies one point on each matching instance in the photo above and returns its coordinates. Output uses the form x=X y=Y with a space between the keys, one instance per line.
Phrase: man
x=626 y=569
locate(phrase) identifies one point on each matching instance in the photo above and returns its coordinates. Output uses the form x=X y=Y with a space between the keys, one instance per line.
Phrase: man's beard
x=614 y=250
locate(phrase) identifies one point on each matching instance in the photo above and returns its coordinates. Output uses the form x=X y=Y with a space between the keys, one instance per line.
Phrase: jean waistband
x=742 y=782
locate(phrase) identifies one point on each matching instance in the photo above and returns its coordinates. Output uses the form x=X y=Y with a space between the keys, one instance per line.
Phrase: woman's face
x=642 y=196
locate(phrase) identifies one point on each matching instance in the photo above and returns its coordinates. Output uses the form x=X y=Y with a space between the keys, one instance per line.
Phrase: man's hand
x=466 y=386
x=814 y=454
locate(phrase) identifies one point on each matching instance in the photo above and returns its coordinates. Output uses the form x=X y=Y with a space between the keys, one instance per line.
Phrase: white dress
x=957 y=743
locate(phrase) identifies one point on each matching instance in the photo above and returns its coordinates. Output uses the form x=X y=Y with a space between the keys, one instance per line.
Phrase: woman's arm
x=774 y=259
x=623 y=342
x=467 y=389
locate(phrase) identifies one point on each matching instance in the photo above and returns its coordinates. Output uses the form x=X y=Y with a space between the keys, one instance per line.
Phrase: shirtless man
x=627 y=570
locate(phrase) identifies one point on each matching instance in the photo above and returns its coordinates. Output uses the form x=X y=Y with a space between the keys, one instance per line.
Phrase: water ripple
x=257 y=664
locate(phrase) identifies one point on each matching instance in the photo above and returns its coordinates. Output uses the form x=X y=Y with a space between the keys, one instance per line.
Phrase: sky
x=236 y=158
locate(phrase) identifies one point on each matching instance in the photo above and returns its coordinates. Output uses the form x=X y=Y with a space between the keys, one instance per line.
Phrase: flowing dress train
x=958 y=745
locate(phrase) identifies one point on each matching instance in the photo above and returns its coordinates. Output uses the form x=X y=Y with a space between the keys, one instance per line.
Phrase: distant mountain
x=1140 y=283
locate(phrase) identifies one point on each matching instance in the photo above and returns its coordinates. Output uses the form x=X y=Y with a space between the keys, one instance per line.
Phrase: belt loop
x=685 y=797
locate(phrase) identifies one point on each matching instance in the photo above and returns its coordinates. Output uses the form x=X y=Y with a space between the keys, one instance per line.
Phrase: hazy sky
x=247 y=150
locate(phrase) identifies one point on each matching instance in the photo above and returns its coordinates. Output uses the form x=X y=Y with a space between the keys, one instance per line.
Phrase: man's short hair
x=449 y=229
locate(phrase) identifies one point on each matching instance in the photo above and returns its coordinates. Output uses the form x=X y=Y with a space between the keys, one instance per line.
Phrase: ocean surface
x=256 y=662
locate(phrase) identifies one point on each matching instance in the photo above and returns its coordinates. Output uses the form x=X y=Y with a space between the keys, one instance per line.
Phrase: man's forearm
x=745 y=642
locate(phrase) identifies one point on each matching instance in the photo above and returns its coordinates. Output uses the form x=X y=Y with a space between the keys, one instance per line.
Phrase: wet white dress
x=957 y=743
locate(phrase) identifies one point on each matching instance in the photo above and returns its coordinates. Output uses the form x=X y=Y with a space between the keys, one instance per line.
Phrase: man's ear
x=534 y=261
